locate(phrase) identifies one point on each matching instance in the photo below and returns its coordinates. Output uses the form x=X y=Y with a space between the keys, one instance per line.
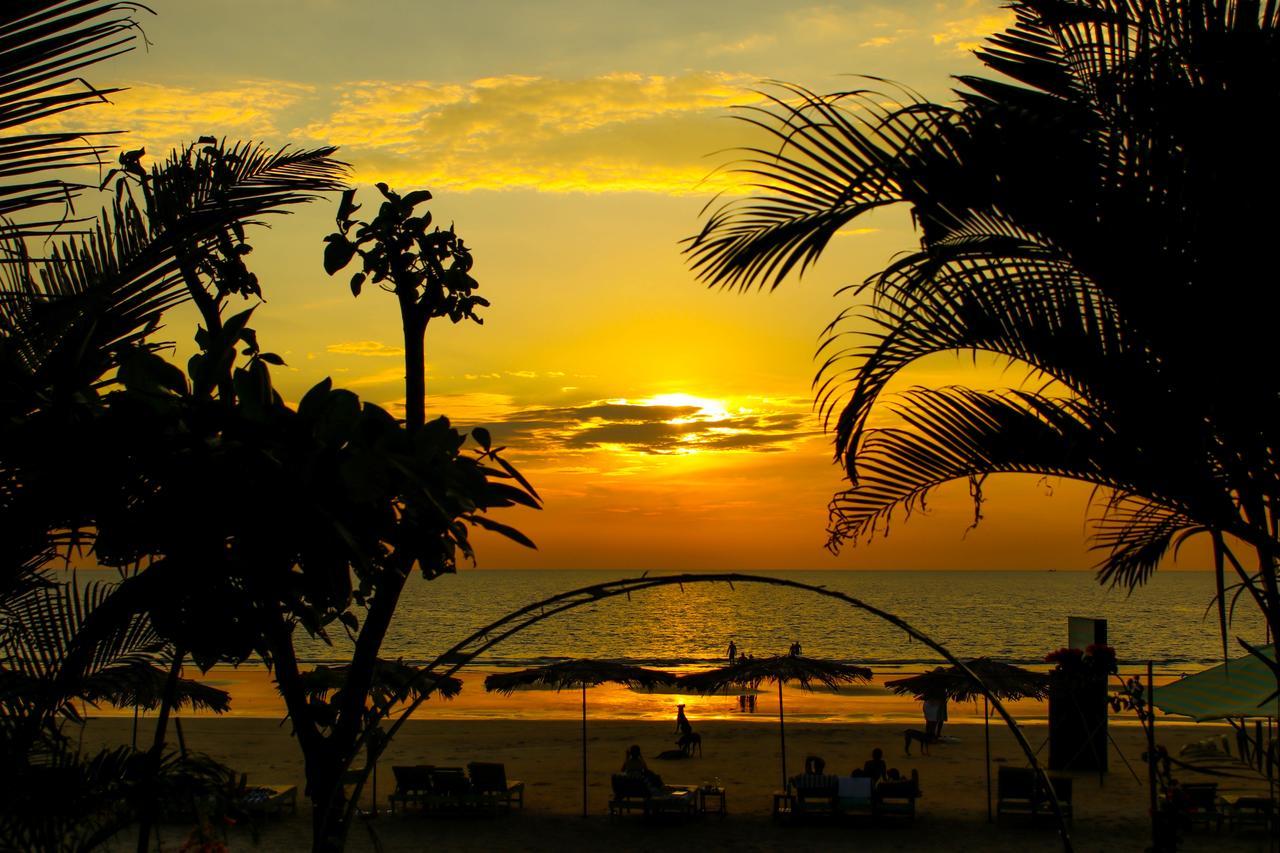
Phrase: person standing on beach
x=733 y=651
x=933 y=711
x=795 y=649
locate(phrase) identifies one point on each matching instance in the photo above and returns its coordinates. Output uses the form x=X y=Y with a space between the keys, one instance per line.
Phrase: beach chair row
x=427 y=788
x=813 y=794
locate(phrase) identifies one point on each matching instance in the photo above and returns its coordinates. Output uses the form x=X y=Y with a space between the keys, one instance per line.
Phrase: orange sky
x=665 y=425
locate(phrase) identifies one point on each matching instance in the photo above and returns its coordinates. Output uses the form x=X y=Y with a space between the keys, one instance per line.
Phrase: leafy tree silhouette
x=1089 y=213
x=235 y=519
x=428 y=272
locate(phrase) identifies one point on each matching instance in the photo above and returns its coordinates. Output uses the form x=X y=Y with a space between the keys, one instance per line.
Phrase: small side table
x=716 y=794
x=783 y=804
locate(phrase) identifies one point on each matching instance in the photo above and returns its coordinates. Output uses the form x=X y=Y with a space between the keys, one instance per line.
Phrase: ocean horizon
x=1014 y=616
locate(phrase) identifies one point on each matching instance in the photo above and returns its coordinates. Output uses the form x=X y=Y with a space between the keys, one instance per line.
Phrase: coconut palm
x=780 y=669
x=1087 y=212
x=578 y=673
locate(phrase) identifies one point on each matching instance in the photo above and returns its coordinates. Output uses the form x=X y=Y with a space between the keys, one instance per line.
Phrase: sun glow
x=708 y=409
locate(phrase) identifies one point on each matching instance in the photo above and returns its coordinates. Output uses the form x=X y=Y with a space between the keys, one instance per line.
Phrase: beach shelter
x=1004 y=680
x=751 y=672
x=1243 y=687
x=578 y=673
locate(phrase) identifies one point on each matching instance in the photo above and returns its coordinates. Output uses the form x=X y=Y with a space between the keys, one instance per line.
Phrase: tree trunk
x=157 y=747
x=415 y=364
x=324 y=787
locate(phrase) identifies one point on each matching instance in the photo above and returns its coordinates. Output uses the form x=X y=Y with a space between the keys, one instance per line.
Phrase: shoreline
x=253 y=696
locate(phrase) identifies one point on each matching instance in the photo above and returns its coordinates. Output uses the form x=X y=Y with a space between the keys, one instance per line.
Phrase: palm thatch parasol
x=142 y=685
x=781 y=669
x=582 y=673
x=1004 y=680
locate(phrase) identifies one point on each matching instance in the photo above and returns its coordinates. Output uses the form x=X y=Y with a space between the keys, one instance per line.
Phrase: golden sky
x=666 y=426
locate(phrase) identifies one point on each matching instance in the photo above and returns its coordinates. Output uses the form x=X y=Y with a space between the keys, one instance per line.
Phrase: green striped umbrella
x=1244 y=687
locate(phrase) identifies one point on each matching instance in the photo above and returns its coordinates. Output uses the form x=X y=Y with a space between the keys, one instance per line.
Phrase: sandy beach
x=1111 y=814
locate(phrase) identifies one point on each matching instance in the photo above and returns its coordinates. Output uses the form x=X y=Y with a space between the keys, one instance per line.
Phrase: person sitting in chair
x=634 y=763
x=875 y=766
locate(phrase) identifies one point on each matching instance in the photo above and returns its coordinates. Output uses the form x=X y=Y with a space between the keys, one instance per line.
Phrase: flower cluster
x=1096 y=659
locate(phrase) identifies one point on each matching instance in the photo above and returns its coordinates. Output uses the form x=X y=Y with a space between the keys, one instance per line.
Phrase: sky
x=572 y=145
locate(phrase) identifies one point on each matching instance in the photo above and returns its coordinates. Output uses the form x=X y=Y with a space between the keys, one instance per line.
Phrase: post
x=1151 y=760
x=584 y=749
x=782 y=732
x=986 y=735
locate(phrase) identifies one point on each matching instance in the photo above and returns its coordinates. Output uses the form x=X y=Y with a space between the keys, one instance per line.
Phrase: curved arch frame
x=449 y=662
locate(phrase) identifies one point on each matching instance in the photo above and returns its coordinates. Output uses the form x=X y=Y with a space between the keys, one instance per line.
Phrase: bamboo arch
x=449 y=662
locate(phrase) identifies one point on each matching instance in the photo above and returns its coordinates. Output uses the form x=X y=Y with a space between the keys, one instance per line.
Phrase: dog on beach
x=920 y=737
x=690 y=742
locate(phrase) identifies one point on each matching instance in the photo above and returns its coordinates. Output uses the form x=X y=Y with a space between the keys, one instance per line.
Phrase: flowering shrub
x=1097 y=659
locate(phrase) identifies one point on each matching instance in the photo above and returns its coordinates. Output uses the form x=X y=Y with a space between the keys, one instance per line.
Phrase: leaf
x=416 y=198
x=346 y=207
x=502 y=529
x=338 y=252
x=519 y=478
x=315 y=397
x=481 y=435
x=357 y=281
x=272 y=358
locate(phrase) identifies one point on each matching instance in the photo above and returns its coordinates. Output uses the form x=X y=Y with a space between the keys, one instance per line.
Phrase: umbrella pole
x=986 y=736
x=782 y=733
x=584 y=749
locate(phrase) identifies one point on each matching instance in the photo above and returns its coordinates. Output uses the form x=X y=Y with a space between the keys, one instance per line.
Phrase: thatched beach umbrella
x=1004 y=680
x=394 y=681
x=578 y=673
x=782 y=669
x=141 y=685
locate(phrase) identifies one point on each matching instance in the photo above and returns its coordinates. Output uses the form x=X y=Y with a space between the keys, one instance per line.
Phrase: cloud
x=619 y=131
x=382 y=377
x=371 y=349
x=968 y=31
x=160 y=118
x=654 y=429
x=757 y=41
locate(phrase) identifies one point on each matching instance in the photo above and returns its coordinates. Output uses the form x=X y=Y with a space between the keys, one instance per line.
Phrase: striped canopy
x=1246 y=687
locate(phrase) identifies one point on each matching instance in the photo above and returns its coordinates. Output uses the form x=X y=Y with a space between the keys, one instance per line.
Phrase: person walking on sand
x=733 y=652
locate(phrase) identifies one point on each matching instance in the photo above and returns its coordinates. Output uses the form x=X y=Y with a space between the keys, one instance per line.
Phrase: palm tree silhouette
x=1089 y=212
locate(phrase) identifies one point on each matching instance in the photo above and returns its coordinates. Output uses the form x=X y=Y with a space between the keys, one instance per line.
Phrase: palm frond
x=1136 y=533
x=44 y=45
x=1024 y=303
x=956 y=433
x=69 y=318
x=837 y=157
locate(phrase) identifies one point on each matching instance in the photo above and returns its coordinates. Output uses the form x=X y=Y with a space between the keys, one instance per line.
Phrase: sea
x=1013 y=616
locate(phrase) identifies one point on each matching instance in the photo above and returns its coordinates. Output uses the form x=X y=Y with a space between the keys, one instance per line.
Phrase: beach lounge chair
x=413 y=786
x=450 y=790
x=1062 y=790
x=1015 y=791
x=855 y=795
x=897 y=798
x=490 y=785
x=816 y=794
x=631 y=791
x=1199 y=805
